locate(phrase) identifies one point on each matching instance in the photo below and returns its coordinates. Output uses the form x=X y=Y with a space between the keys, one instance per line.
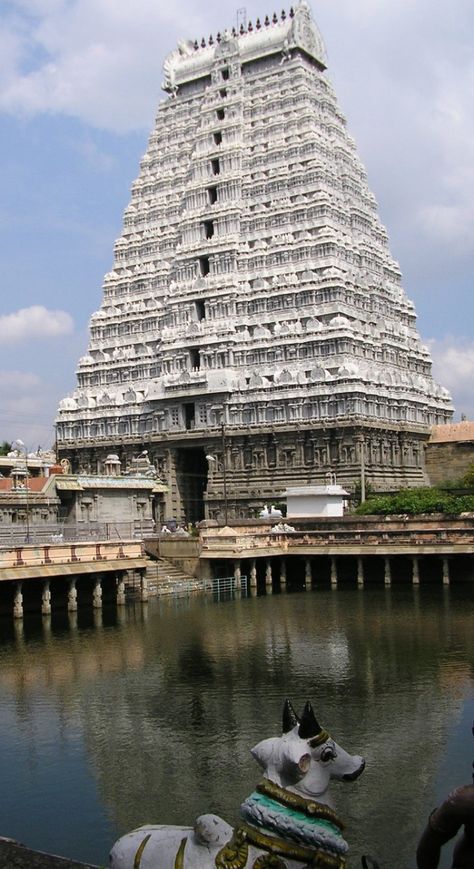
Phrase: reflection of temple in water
x=170 y=707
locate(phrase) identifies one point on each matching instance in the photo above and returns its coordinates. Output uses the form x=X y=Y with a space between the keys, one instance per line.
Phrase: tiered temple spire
x=253 y=311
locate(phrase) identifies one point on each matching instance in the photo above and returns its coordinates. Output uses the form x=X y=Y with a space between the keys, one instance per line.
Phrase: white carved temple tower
x=253 y=331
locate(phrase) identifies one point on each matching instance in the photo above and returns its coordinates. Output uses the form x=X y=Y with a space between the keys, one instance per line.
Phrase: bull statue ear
x=309 y=727
x=290 y=718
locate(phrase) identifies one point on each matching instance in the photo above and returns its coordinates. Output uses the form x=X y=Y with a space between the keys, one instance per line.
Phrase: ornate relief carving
x=253 y=271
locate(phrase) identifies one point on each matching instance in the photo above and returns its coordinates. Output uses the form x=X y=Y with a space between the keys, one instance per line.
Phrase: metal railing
x=226 y=585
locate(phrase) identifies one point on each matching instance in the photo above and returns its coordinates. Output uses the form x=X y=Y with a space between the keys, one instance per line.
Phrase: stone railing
x=434 y=535
x=69 y=553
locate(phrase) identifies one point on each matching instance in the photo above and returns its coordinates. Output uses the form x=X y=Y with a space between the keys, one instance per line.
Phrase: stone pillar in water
x=237 y=575
x=283 y=573
x=333 y=572
x=446 y=577
x=360 y=572
x=97 y=595
x=18 y=602
x=46 y=599
x=268 y=573
x=387 y=578
x=120 y=590
x=253 y=574
x=308 y=575
x=415 y=576
x=143 y=588
x=72 y=596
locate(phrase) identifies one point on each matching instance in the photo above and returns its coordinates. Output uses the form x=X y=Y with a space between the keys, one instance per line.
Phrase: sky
x=79 y=88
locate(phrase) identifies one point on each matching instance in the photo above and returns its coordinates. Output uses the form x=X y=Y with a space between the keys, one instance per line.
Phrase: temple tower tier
x=253 y=331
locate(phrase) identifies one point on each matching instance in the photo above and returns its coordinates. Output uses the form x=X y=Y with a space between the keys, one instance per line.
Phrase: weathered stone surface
x=450 y=452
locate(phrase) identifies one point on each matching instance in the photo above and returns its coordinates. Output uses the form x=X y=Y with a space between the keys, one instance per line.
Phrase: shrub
x=416 y=501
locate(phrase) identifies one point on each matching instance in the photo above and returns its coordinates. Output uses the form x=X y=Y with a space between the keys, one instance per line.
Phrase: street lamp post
x=20 y=447
x=213 y=459
x=224 y=471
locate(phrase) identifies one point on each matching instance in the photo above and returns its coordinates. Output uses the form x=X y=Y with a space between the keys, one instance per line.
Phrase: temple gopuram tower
x=253 y=331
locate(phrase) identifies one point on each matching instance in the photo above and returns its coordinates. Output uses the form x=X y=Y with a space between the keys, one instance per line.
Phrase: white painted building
x=308 y=502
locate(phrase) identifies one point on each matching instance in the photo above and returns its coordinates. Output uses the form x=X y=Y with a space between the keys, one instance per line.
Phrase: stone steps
x=165 y=577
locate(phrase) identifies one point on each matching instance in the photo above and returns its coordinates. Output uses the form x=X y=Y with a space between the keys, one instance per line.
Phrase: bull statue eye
x=327 y=753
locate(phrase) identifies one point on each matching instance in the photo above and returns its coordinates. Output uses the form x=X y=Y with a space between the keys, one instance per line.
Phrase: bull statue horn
x=309 y=727
x=290 y=718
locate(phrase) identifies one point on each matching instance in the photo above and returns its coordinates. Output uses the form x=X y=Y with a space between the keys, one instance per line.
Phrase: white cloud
x=34 y=322
x=453 y=366
x=18 y=382
x=27 y=409
x=93 y=156
x=92 y=59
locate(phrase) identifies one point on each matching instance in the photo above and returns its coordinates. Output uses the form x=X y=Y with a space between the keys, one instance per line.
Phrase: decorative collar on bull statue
x=287 y=822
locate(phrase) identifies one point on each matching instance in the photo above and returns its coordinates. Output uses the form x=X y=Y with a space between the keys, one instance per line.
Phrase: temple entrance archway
x=191 y=479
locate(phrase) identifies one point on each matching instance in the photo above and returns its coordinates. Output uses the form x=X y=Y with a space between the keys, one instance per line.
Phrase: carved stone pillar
x=143 y=588
x=268 y=572
x=333 y=572
x=415 y=575
x=18 y=602
x=308 y=575
x=72 y=596
x=237 y=575
x=97 y=594
x=46 y=599
x=299 y=457
x=120 y=590
x=387 y=577
x=253 y=574
x=360 y=572
x=446 y=577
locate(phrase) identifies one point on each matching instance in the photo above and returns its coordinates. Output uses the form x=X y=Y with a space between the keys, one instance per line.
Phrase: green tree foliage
x=5 y=448
x=413 y=502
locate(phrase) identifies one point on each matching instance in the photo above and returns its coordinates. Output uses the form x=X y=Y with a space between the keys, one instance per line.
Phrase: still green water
x=148 y=714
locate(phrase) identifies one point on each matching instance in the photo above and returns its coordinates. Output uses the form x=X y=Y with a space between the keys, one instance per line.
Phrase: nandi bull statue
x=287 y=822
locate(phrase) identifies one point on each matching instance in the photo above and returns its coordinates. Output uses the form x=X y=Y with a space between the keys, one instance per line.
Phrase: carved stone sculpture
x=287 y=822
